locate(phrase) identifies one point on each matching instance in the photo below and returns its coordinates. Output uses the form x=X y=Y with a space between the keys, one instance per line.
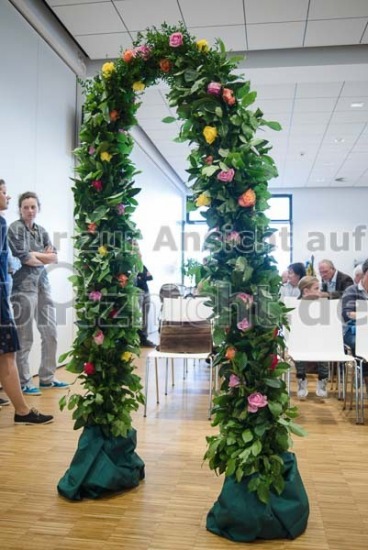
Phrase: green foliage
x=229 y=169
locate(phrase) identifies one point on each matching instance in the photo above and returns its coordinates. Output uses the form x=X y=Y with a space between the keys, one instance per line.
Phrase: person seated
x=295 y=272
x=357 y=274
x=352 y=295
x=333 y=282
x=309 y=290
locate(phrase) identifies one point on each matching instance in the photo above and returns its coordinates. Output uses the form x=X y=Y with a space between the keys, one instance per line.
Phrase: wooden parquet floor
x=168 y=510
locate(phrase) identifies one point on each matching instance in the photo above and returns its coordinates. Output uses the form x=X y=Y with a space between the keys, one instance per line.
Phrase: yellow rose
x=105 y=156
x=210 y=134
x=138 y=86
x=108 y=69
x=102 y=250
x=203 y=200
x=202 y=45
x=126 y=356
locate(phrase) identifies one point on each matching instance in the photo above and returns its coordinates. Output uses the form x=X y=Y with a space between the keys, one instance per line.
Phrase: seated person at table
x=295 y=272
x=333 y=282
x=309 y=290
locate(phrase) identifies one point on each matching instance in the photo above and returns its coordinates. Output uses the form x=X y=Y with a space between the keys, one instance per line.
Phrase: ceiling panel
x=275 y=35
x=233 y=36
x=207 y=13
x=334 y=31
x=140 y=14
x=263 y=11
x=95 y=18
x=337 y=9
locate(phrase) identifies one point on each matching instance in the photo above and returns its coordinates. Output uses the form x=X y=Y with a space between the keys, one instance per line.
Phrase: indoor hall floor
x=168 y=509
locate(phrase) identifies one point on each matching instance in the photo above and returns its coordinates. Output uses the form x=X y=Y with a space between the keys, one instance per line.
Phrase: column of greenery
x=229 y=168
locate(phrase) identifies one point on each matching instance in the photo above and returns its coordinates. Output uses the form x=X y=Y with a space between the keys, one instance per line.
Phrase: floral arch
x=229 y=167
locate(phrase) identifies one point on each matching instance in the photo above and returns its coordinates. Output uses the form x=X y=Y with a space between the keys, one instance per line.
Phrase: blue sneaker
x=29 y=389
x=54 y=384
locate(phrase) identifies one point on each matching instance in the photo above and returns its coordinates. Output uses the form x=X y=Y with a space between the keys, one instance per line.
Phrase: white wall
x=326 y=223
x=37 y=113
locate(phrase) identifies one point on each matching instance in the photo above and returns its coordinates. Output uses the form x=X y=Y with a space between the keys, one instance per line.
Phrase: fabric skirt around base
x=240 y=516
x=102 y=465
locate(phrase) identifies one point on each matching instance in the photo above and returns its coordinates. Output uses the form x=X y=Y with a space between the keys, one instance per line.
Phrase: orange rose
x=165 y=65
x=247 y=199
x=92 y=227
x=230 y=353
x=228 y=97
x=123 y=280
x=127 y=56
x=114 y=115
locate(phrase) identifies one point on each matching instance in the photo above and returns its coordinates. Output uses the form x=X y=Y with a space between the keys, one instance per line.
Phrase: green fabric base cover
x=102 y=465
x=240 y=516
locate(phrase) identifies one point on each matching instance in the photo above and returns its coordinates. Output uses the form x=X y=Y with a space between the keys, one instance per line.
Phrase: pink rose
x=120 y=208
x=89 y=368
x=256 y=401
x=99 y=338
x=176 y=39
x=214 y=88
x=244 y=324
x=95 y=296
x=142 y=51
x=226 y=175
x=234 y=381
x=244 y=297
x=91 y=150
x=233 y=237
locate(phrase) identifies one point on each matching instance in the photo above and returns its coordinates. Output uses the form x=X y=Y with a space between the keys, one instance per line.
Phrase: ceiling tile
x=275 y=35
x=90 y=18
x=350 y=116
x=275 y=91
x=316 y=105
x=347 y=104
x=337 y=9
x=267 y=11
x=102 y=46
x=334 y=32
x=365 y=36
x=140 y=14
x=232 y=36
x=352 y=89
x=209 y=13
x=318 y=89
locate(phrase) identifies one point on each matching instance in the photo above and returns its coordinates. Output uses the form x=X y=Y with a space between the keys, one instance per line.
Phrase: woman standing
x=9 y=343
x=31 y=297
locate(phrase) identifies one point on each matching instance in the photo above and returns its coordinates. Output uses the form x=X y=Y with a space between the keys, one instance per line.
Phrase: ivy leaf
x=169 y=119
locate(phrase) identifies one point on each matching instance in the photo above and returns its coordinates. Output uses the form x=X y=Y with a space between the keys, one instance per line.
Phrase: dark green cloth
x=102 y=465
x=239 y=515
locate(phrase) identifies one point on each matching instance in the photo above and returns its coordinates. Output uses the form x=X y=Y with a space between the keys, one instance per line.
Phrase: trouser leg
x=300 y=369
x=24 y=306
x=46 y=324
x=322 y=371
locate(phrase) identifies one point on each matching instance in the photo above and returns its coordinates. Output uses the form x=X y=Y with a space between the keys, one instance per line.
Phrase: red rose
x=123 y=280
x=114 y=115
x=92 y=227
x=208 y=160
x=127 y=56
x=89 y=369
x=274 y=361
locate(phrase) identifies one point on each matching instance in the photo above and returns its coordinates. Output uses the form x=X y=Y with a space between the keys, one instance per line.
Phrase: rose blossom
x=247 y=199
x=142 y=51
x=234 y=381
x=89 y=368
x=95 y=295
x=91 y=227
x=176 y=39
x=214 y=88
x=230 y=353
x=99 y=337
x=97 y=185
x=247 y=298
x=226 y=175
x=274 y=361
x=165 y=65
x=244 y=324
x=91 y=150
x=120 y=208
x=256 y=401
x=123 y=280
x=227 y=96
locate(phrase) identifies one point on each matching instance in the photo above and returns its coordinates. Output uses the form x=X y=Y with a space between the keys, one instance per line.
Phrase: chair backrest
x=185 y=326
x=361 y=335
x=169 y=290
x=315 y=325
x=192 y=309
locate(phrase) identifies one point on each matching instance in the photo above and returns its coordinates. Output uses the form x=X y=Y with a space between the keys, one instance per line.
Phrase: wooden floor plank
x=168 y=510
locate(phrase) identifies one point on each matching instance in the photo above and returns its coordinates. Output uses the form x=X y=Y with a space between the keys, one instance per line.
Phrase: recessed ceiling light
x=357 y=105
x=339 y=140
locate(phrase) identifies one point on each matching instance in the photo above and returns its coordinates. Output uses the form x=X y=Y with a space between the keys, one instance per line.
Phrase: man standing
x=333 y=282
x=144 y=302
